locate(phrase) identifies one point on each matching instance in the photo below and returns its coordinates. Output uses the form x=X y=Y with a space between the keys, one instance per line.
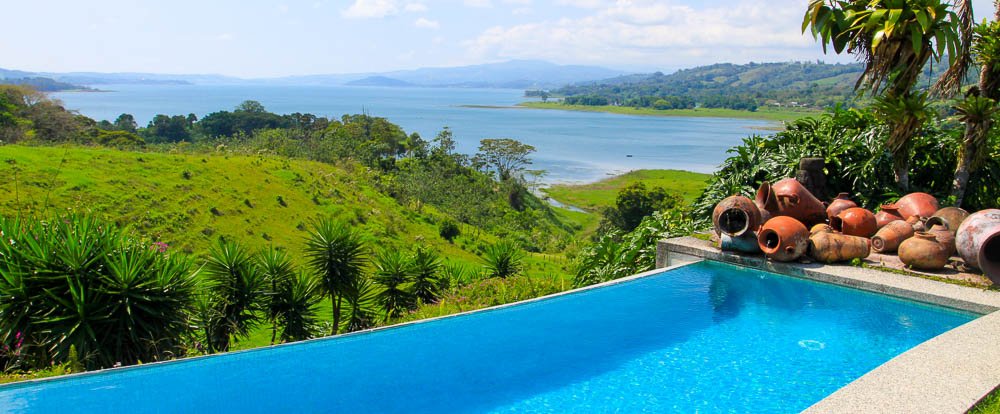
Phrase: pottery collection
x=855 y=221
x=829 y=247
x=887 y=213
x=944 y=236
x=917 y=204
x=841 y=203
x=744 y=243
x=950 y=217
x=789 y=198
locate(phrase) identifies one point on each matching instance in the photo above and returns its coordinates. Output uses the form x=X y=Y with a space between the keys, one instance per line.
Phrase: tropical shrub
x=392 y=274
x=78 y=283
x=503 y=259
x=424 y=275
x=237 y=291
x=295 y=307
x=338 y=255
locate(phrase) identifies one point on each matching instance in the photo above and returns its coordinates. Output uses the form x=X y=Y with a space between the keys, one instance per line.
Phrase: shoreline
x=777 y=116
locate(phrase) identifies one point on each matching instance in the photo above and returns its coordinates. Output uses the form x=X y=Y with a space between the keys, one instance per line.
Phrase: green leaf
x=925 y=22
x=917 y=37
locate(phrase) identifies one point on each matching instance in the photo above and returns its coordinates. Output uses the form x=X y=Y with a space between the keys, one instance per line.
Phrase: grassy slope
x=595 y=196
x=767 y=114
x=149 y=192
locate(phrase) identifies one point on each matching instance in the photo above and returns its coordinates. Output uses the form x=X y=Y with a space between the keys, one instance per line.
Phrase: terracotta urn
x=820 y=227
x=978 y=242
x=855 y=221
x=735 y=216
x=917 y=204
x=889 y=237
x=829 y=247
x=789 y=198
x=922 y=251
x=841 y=203
x=950 y=217
x=744 y=243
x=944 y=236
x=917 y=222
x=783 y=239
x=887 y=214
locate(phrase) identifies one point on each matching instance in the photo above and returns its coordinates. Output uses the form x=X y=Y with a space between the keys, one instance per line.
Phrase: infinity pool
x=706 y=337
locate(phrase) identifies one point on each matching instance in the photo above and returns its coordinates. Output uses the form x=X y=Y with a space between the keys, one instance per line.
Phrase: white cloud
x=478 y=3
x=415 y=7
x=370 y=9
x=426 y=24
x=656 y=32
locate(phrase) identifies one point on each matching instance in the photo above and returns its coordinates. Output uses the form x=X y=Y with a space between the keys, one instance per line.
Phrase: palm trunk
x=964 y=167
x=336 y=314
x=901 y=167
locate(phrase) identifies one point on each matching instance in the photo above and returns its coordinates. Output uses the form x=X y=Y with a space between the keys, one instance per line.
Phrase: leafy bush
x=78 y=283
x=635 y=202
x=449 y=231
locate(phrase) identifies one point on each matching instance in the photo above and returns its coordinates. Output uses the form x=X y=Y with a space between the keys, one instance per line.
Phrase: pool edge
x=949 y=373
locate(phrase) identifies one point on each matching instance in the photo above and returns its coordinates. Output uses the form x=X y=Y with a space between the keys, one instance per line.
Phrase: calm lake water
x=571 y=146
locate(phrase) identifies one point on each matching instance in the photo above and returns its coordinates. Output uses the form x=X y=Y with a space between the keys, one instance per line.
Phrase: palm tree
x=503 y=259
x=279 y=271
x=981 y=45
x=361 y=305
x=392 y=272
x=239 y=292
x=426 y=265
x=337 y=254
x=295 y=304
x=894 y=39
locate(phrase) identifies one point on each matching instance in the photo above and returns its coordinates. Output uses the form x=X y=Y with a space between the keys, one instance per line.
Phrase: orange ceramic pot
x=735 y=216
x=841 y=203
x=889 y=237
x=855 y=221
x=944 y=237
x=978 y=242
x=789 y=198
x=950 y=217
x=830 y=247
x=922 y=251
x=917 y=204
x=783 y=239
x=888 y=213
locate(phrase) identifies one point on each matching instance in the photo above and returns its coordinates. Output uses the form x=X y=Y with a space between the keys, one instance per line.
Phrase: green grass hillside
x=190 y=201
x=596 y=196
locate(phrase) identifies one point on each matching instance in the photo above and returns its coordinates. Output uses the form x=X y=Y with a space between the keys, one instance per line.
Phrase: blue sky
x=272 y=38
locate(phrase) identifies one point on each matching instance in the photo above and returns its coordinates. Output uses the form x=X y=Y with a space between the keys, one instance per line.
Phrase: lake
x=571 y=146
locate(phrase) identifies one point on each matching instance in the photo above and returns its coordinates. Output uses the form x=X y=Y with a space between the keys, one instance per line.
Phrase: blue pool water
x=707 y=337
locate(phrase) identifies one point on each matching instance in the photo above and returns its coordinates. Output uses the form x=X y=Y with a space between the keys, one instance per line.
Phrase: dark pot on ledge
x=735 y=216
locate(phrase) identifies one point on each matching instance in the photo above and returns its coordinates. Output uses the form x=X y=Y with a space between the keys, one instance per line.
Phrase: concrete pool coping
x=946 y=374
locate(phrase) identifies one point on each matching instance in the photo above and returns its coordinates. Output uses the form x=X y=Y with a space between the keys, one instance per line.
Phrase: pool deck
x=947 y=374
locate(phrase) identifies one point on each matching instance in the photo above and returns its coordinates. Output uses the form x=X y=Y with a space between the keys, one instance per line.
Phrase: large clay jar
x=783 y=239
x=888 y=238
x=917 y=204
x=744 y=243
x=950 y=217
x=830 y=247
x=918 y=223
x=978 y=242
x=888 y=213
x=767 y=205
x=944 y=236
x=789 y=198
x=855 y=221
x=922 y=251
x=735 y=216
x=841 y=203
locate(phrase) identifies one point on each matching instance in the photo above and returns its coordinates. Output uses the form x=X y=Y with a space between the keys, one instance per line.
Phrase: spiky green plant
x=362 y=305
x=295 y=305
x=424 y=277
x=238 y=294
x=392 y=274
x=76 y=282
x=338 y=255
x=279 y=271
x=504 y=259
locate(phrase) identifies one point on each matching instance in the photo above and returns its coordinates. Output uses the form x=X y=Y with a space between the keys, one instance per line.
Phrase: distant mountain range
x=518 y=74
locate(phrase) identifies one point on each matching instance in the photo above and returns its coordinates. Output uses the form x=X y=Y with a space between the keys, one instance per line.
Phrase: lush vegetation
x=597 y=196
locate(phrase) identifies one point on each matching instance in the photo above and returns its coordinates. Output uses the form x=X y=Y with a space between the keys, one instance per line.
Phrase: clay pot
x=789 y=198
x=767 y=204
x=735 y=216
x=917 y=204
x=944 y=236
x=922 y=251
x=820 y=227
x=888 y=238
x=744 y=243
x=783 y=239
x=830 y=247
x=887 y=213
x=855 y=221
x=978 y=242
x=950 y=217
x=841 y=203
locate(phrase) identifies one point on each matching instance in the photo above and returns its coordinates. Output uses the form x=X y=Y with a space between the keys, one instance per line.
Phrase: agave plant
x=362 y=305
x=295 y=307
x=238 y=294
x=78 y=283
x=278 y=270
x=504 y=259
x=337 y=254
